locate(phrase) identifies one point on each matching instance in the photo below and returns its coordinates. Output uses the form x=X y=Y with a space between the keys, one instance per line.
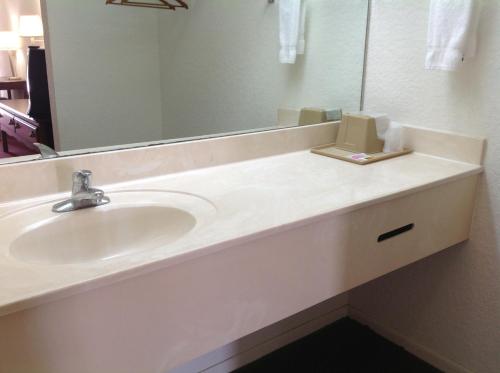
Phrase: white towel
x=301 y=43
x=387 y=130
x=289 y=29
x=393 y=139
x=452 y=30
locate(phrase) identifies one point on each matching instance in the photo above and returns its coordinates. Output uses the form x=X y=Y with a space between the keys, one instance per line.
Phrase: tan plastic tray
x=330 y=150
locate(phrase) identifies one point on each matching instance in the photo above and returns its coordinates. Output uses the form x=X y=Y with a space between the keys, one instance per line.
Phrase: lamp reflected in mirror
x=30 y=26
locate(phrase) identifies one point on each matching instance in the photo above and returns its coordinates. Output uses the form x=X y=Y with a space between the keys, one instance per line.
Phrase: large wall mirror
x=121 y=76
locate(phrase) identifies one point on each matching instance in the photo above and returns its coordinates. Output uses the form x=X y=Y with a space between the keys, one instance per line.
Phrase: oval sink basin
x=134 y=221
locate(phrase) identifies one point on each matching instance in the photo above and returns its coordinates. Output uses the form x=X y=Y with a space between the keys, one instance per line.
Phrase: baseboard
x=411 y=346
x=276 y=343
x=267 y=340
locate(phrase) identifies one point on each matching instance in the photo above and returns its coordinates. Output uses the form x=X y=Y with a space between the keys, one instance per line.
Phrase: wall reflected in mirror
x=123 y=76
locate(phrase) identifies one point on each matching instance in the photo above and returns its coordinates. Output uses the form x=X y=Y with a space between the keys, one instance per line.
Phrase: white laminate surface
x=253 y=198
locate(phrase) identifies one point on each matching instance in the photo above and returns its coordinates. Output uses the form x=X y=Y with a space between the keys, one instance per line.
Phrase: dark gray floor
x=344 y=346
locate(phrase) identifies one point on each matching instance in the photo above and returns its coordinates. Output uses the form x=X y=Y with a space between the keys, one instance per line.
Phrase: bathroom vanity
x=253 y=236
x=220 y=222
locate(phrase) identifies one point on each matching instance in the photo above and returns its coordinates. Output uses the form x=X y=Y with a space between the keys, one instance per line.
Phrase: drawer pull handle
x=395 y=232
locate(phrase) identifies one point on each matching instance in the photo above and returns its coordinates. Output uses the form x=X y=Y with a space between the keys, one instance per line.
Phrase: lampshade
x=30 y=26
x=9 y=41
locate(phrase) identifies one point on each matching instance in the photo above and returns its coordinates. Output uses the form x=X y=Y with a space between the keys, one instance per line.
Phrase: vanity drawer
x=17 y=124
x=7 y=124
x=5 y=118
x=23 y=131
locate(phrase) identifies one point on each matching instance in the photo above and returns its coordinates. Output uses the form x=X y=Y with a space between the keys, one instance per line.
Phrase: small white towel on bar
x=451 y=36
x=290 y=24
x=301 y=43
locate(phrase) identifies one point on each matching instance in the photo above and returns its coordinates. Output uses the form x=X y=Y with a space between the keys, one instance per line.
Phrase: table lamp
x=9 y=41
x=30 y=26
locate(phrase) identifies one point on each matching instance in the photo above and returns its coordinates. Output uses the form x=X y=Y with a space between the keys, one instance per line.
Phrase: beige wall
x=450 y=302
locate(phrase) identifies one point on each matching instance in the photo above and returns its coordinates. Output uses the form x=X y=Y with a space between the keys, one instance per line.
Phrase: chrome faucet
x=82 y=196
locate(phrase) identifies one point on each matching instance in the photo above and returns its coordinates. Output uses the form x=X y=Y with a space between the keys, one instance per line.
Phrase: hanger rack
x=159 y=4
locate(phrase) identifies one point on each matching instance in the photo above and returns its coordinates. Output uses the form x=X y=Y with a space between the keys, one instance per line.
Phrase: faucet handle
x=81 y=181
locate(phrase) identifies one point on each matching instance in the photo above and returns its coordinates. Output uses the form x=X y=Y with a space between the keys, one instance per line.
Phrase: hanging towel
x=451 y=36
x=289 y=29
x=301 y=43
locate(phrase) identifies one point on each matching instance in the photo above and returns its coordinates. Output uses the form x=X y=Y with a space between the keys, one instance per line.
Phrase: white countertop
x=253 y=199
